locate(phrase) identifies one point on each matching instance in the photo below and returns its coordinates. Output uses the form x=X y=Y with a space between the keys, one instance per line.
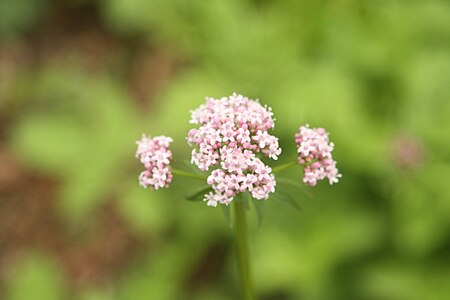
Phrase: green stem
x=285 y=166
x=187 y=174
x=240 y=231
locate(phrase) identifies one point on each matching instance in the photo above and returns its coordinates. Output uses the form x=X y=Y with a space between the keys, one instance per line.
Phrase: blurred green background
x=81 y=80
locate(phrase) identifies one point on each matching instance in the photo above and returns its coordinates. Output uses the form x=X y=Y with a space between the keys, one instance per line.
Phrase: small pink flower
x=210 y=199
x=232 y=129
x=263 y=172
x=247 y=182
x=155 y=156
x=314 y=153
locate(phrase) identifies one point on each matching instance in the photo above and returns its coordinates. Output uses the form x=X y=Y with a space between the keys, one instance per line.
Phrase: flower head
x=155 y=155
x=232 y=131
x=314 y=153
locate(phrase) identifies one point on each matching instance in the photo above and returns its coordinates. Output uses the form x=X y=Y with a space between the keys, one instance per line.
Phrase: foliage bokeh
x=81 y=80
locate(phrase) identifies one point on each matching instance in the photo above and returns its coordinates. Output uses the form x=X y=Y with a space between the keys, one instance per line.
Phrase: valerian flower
x=314 y=153
x=232 y=131
x=155 y=155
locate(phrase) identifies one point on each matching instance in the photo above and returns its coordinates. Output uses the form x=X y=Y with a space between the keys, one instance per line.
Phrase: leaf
x=295 y=184
x=199 y=194
x=284 y=196
x=227 y=214
x=244 y=198
x=259 y=206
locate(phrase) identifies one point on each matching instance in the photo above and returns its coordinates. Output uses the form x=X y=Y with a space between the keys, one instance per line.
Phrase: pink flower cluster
x=314 y=153
x=155 y=155
x=232 y=130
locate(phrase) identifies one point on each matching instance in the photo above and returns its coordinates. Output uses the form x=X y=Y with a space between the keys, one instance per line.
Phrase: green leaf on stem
x=260 y=210
x=296 y=184
x=199 y=195
x=227 y=214
x=285 y=196
x=245 y=199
